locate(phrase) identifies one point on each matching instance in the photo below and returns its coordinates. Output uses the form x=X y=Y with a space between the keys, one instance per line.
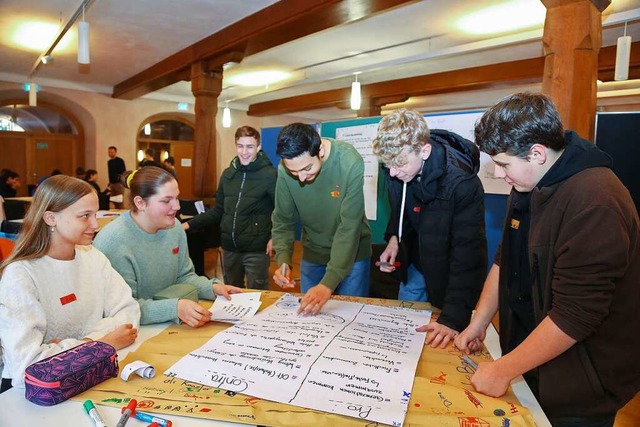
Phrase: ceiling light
x=147 y=129
x=83 y=41
x=37 y=36
x=511 y=16
x=623 y=54
x=226 y=117
x=33 y=97
x=47 y=59
x=356 y=98
x=257 y=78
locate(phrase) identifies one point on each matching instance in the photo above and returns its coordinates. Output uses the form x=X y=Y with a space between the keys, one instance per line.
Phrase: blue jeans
x=356 y=283
x=415 y=289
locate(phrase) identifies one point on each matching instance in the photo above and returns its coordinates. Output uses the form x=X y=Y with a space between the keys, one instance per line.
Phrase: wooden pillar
x=572 y=39
x=206 y=86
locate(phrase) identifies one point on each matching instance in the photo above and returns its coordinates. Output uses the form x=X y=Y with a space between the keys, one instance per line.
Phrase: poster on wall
x=361 y=137
x=463 y=124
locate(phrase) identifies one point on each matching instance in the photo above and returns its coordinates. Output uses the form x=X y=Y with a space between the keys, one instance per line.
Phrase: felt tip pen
x=284 y=269
x=126 y=413
x=466 y=359
x=93 y=413
x=149 y=418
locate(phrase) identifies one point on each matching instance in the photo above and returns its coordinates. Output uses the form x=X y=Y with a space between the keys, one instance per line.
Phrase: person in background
x=244 y=203
x=9 y=183
x=437 y=215
x=91 y=177
x=148 y=247
x=116 y=168
x=149 y=159
x=170 y=165
x=320 y=183
x=53 y=173
x=80 y=172
x=566 y=278
x=56 y=290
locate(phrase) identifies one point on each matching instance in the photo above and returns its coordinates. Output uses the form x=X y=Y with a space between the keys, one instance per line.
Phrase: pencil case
x=59 y=377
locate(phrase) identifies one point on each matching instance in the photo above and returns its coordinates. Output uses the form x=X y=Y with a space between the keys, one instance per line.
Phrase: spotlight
x=47 y=59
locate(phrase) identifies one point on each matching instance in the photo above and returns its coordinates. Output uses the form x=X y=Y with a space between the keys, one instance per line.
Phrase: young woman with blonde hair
x=57 y=291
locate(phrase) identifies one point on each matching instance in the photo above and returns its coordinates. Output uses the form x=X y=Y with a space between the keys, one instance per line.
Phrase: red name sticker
x=68 y=299
x=416 y=209
x=176 y=249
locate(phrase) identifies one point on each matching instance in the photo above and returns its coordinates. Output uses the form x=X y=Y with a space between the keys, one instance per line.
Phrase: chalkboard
x=618 y=135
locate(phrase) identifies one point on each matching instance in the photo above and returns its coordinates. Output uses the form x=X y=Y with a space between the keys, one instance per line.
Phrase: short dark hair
x=518 y=122
x=89 y=173
x=111 y=147
x=170 y=160
x=7 y=174
x=296 y=139
x=248 y=131
x=150 y=152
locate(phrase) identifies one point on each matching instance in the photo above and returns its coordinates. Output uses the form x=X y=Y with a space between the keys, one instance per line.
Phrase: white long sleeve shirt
x=45 y=299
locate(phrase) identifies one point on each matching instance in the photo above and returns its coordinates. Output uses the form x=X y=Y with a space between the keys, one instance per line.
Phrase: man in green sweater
x=320 y=183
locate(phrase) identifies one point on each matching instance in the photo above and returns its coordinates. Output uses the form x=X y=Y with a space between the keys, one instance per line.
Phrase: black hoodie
x=443 y=228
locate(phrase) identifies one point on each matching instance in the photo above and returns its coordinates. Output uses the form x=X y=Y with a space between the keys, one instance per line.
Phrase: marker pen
x=149 y=418
x=466 y=359
x=93 y=413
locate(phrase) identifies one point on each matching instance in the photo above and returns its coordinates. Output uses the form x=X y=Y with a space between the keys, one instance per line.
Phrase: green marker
x=93 y=413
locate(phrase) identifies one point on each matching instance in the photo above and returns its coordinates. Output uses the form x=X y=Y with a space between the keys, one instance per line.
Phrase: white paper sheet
x=352 y=359
x=241 y=307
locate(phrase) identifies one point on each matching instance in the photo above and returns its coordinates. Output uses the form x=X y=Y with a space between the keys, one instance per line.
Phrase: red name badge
x=176 y=249
x=68 y=299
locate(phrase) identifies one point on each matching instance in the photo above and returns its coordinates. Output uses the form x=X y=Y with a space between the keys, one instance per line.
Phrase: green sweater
x=150 y=263
x=335 y=230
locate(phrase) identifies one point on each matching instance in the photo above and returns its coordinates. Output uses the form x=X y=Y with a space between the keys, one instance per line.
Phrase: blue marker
x=149 y=418
x=466 y=359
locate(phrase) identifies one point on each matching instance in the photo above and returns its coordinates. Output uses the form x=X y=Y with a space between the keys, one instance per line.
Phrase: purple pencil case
x=59 y=377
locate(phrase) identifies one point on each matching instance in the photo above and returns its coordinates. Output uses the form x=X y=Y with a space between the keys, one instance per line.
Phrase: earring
x=52 y=229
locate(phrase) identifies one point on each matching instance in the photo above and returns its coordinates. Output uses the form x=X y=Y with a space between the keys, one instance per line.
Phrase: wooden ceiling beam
x=280 y=23
x=475 y=78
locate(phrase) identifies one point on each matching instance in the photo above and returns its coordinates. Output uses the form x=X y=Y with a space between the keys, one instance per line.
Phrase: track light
x=623 y=55
x=48 y=59
x=83 y=41
x=226 y=116
x=356 y=99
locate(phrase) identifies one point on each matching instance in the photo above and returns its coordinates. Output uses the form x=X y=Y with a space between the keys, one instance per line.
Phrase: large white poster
x=351 y=359
x=463 y=124
x=361 y=137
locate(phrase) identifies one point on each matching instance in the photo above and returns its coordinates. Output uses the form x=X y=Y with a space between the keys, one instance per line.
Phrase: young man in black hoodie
x=567 y=276
x=437 y=219
x=244 y=203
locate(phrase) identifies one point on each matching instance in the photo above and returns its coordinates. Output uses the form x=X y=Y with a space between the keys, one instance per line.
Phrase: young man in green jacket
x=320 y=183
x=244 y=203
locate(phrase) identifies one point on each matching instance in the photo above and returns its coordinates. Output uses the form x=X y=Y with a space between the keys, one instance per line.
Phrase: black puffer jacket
x=244 y=203
x=446 y=226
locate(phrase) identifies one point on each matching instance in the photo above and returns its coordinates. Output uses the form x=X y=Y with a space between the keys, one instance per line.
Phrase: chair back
x=6 y=247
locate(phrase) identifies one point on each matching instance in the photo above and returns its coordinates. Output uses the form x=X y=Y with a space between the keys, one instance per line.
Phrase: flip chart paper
x=352 y=359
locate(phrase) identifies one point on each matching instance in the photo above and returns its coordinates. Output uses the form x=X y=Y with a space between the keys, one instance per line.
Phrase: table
x=25 y=413
x=16 y=411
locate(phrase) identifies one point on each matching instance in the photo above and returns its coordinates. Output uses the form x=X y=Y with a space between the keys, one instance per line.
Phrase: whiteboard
x=463 y=124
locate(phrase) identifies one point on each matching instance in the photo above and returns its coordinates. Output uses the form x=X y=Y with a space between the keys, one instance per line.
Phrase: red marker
x=127 y=411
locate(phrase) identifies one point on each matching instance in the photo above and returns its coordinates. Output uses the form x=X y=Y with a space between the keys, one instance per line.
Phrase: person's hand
x=269 y=250
x=284 y=280
x=192 y=313
x=314 y=299
x=121 y=337
x=224 y=290
x=438 y=334
x=490 y=379
x=389 y=255
x=471 y=338
x=185 y=226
